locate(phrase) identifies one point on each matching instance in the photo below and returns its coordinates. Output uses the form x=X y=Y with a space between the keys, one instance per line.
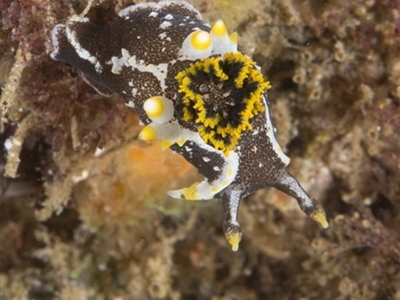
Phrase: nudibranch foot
x=208 y=189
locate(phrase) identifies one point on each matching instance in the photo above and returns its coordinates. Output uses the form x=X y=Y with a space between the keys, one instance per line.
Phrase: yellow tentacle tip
x=166 y=144
x=234 y=37
x=234 y=239
x=200 y=40
x=181 y=142
x=148 y=133
x=320 y=217
x=219 y=29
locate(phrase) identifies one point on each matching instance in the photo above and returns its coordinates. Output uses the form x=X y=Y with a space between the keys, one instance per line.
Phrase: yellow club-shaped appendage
x=234 y=37
x=222 y=43
x=159 y=109
x=320 y=217
x=148 y=133
x=234 y=239
x=200 y=40
x=219 y=29
x=197 y=45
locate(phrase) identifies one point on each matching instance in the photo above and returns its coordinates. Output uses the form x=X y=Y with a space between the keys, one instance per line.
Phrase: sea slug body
x=194 y=91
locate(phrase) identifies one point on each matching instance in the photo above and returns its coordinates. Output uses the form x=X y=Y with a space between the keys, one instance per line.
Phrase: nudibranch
x=194 y=91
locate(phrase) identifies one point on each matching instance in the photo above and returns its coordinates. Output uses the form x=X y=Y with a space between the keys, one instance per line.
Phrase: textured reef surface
x=84 y=207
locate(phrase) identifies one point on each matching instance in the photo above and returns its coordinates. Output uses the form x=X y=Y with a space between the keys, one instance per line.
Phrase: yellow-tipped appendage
x=159 y=109
x=219 y=29
x=197 y=45
x=200 y=40
x=190 y=193
x=201 y=44
x=148 y=133
x=320 y=217
x=234 y=239
x=222 y=43
x=234 y=37
x=154 y=107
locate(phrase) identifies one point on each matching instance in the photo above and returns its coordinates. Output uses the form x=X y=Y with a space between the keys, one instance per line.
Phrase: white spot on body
x=159 y=71
x=169 y=17
x=118 y=63
x=165 y=25
x=98 y=67
x=153 y=14
x=131 y=104
x=216 y=168
x=162 y=35
x=126 y=60
x=206 y=159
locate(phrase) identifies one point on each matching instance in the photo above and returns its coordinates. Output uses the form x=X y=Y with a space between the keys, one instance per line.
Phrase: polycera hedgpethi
x=195 y=92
